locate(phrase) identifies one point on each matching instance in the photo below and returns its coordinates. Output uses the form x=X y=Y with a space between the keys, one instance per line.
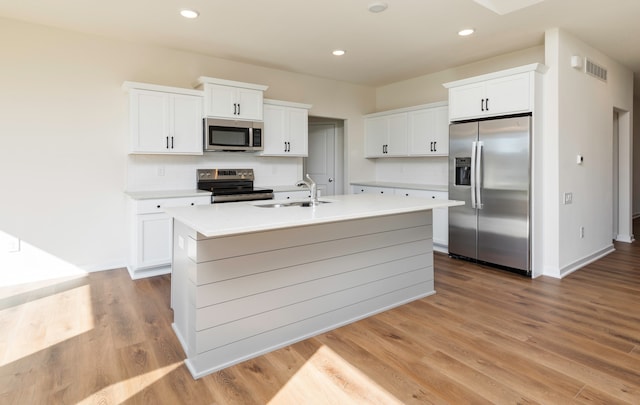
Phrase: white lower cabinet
x=373 y=190
x=440 y=215
x=291 y=195
x=151 y=234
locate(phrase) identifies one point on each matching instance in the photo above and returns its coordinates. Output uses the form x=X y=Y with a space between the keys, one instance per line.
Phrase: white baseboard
x=578 y=264
x=151 y=272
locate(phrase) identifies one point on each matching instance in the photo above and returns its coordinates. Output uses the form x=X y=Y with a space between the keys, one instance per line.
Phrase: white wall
x=63 y=130
x=636 y=157
x=583 y=124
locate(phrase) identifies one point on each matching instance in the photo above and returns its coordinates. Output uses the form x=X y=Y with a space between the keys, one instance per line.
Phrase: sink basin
x=289 y=204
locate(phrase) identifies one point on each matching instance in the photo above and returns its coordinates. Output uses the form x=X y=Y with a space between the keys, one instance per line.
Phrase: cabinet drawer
x=292 y=195
x=157 y=206
x=372 y=190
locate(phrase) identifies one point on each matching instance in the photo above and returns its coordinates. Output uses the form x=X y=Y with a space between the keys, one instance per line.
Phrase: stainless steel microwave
x=232 y=136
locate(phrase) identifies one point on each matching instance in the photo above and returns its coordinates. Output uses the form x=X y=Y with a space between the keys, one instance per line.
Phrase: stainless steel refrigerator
x=490 y=170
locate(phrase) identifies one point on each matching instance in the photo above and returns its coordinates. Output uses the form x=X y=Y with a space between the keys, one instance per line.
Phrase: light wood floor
x=487 y=336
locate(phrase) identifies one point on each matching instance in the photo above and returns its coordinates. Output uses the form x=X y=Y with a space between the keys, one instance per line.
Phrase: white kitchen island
x=248 y=280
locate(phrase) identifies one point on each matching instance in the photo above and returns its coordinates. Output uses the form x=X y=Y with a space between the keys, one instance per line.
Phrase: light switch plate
x=568 y=198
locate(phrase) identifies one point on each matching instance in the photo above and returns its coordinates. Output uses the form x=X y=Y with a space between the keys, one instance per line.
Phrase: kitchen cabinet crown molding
x=287 y=103
x=533 y=67
x=407 y=109
x=212 y=80
x=128 y=85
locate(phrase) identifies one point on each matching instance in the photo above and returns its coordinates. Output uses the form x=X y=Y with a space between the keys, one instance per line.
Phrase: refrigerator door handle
x=478 y=171
x=473 y=174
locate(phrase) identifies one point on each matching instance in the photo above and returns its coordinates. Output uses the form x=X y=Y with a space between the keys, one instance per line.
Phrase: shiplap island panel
x=292 y=272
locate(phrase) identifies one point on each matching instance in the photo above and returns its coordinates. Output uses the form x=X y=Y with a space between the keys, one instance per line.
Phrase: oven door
x=227 y=135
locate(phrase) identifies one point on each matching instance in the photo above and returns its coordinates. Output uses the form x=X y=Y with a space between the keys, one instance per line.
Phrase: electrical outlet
x=160 y=170
x=568 y=198
x=582 y=232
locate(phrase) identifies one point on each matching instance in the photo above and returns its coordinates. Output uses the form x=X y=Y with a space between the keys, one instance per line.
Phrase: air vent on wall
x=595 y=70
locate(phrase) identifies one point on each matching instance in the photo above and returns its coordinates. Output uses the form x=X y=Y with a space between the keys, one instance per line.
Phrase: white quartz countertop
x=246 y=217
x=410 y=186
x=153 y=195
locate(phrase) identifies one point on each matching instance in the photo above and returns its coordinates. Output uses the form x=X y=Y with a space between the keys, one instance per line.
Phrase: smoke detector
x=377 y=7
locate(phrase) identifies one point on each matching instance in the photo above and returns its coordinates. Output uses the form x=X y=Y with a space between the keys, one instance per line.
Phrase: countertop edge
x=186 y=216
x=160 y=194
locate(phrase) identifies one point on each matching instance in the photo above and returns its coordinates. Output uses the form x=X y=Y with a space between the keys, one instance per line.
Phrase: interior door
x=503 y=214
x=320 y=163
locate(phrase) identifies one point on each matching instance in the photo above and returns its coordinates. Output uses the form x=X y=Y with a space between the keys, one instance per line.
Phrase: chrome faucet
x=311 y=185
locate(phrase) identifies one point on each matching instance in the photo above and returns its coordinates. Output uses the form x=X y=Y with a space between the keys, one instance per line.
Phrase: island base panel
x=215 y=360
x=312 y=289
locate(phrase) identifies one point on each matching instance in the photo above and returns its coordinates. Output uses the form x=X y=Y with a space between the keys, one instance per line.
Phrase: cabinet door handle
x=238 y=108
x=435 y=149
x=486 y=104
x=171 y=142
x=235 y=109
x=167 y=138
x=482 y=104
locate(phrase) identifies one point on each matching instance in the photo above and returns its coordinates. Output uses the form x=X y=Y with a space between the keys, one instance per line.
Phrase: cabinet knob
x=158 y=206
x=193 y=203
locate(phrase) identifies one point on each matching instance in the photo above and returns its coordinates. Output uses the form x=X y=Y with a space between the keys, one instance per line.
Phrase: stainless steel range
x=229 y=185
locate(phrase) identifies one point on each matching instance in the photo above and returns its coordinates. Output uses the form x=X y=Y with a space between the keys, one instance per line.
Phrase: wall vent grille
x=595 y=70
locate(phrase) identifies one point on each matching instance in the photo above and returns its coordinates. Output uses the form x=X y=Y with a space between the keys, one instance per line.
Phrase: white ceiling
x=411 y=38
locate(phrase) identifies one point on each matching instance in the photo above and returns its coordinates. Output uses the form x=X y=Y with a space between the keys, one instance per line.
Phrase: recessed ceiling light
x=186 y=13
x=466 y=32
x=377 y=7
x=339 y=52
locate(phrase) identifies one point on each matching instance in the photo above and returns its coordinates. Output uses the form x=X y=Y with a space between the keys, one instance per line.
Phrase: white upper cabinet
x=429 y=132
x=415 y=131
x=386 y=135
x=232 y=100
x=286 y=128
x=164 y=120
x=507 y=92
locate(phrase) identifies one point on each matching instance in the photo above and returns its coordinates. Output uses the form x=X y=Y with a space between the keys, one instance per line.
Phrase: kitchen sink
x=289 y=204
